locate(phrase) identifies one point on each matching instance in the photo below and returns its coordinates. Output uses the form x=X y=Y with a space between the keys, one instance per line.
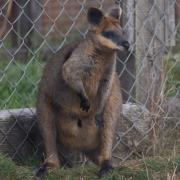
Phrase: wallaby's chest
x=93 y=77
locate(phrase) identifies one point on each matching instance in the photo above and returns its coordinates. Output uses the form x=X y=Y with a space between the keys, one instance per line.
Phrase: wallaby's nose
x=125 y=44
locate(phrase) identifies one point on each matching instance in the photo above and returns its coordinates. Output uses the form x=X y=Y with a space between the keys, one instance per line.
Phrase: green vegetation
x=19 y=83
x=155 y=169
x=172 y=66
x=10 y=171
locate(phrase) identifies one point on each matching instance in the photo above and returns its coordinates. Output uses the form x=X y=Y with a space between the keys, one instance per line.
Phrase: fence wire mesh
x=149 y=73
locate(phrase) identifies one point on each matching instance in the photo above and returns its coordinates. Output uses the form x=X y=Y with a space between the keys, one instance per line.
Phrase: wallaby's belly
x=70 y=102
x=80 y=135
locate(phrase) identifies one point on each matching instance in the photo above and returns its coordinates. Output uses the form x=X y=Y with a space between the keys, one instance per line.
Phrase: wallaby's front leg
x=73 y=75
x=104 y=88
x=48 y=132
x=111 y=114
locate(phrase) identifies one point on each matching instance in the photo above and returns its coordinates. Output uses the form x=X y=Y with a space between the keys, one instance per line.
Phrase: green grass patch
x=152 y=168
x=177 y=163
x=19 y=83
x=172 y=68
x=10 y=171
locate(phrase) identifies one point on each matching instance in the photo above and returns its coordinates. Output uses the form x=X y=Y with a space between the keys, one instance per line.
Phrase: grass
x=19 y=83
x=151 y=169
x=10 y=171
x=172 y=67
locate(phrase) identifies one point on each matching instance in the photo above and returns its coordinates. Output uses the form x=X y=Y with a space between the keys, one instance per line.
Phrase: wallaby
x=79 y=101
x=9 y=14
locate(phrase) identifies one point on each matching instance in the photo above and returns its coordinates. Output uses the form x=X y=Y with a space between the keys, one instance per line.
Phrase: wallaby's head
x=106 y=28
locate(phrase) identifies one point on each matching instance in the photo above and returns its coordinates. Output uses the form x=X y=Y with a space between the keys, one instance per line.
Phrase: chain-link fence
x=33 y=30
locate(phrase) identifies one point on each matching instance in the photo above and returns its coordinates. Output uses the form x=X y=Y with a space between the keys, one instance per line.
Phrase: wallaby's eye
x=116 y=38
x=109 y=34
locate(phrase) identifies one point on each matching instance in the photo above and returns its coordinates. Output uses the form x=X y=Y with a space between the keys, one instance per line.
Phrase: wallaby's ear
x=116 y=12
x=94 y=16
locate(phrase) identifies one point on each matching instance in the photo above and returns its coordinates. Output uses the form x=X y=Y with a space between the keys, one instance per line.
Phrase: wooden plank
x=170 y=26
x=177 y=15
x=150 y=49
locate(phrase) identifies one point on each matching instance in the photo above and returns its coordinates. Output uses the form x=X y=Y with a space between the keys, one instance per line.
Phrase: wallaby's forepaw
x=42 y=171
x=84 y=104
x=105 y=168
x=99 y=120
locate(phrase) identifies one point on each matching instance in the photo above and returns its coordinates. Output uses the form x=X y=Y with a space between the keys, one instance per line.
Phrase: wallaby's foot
x=106 y=168
x=66 y=163
x=42 y=171
x=84 y=104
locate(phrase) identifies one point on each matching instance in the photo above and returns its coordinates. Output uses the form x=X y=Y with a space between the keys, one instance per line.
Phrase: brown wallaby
x=79 y=101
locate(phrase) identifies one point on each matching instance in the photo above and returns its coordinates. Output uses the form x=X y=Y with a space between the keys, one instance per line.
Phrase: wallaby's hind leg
x=111 y=114
x=107 y=125
x=65 y=156
x=48 y=131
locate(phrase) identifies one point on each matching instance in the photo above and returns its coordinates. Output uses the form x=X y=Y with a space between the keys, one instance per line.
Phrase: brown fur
x=3 y=28
x=89 y=68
